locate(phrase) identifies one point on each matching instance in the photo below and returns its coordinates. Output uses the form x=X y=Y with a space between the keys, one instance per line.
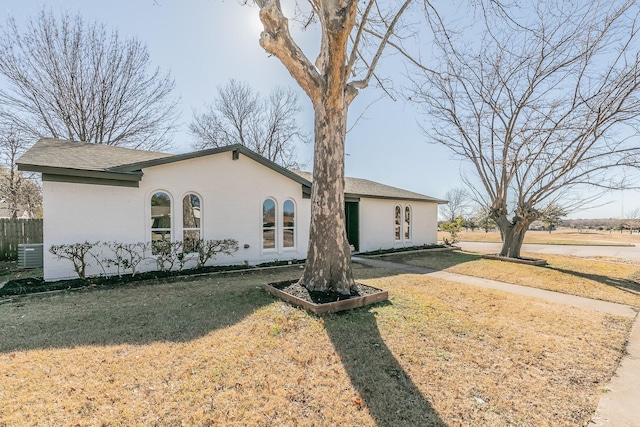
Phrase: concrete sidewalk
x=620 y=407
x=571 y=300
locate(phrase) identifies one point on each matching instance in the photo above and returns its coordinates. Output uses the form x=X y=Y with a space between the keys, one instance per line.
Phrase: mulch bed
x=296 y=289
x=325 y=302
x=31 y=285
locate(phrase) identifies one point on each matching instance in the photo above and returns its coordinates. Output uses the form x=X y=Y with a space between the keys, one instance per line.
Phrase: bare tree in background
x=458 y=206
x=632 y=221
x=551 y=216
x=541 y=108
x=239 y=115
x=77 y=81
x=482 y=218
x=19 y=191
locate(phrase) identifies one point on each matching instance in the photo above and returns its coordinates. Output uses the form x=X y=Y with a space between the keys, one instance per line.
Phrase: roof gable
x=69 y=161
x=235 y=149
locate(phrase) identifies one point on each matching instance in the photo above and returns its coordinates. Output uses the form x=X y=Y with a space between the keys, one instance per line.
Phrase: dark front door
x=352 y=214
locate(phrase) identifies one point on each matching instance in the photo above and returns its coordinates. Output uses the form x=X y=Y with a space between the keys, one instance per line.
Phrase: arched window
x=288 y=224
x=160 y=221
x=398 y=223
x=407 y=223
x=269 y=224
x=191 y=220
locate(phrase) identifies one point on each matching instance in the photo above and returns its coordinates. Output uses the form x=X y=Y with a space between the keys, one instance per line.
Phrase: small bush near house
x=168 y=254
x=209 y=249
x=453 y=228
x=79 y=254
x=126 y=256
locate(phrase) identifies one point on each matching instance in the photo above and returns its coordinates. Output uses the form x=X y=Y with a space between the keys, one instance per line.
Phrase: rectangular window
x=269 y=238
x=190 y=239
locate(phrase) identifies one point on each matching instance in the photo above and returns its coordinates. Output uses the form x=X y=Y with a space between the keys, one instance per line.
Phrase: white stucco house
x=97 y=192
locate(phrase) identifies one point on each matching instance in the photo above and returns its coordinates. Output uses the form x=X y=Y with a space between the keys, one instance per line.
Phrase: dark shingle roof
x=57 y=153
x=365 y=188
x=59 y=157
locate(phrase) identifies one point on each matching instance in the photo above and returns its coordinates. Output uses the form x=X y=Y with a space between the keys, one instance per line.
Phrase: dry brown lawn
x=218 y=350
x=561 y=236
x=606 y=279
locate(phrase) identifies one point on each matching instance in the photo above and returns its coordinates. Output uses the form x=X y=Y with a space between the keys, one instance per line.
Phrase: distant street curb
x=618 y=245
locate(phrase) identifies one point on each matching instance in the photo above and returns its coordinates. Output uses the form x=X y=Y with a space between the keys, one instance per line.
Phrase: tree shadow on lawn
x=177 y=311
x=623 y=284
x=385 y=389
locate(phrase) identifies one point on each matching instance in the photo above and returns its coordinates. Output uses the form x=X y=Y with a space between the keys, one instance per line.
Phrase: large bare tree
x=239 y=115
x=353 y=36
x=541 y=107
x=73 y=80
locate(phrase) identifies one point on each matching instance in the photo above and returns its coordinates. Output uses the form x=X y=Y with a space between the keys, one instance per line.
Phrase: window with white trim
x=191 y=222
x=160 y=220
x=269 y=224
x=288 y=224
x=407 y=223
x=398 y=223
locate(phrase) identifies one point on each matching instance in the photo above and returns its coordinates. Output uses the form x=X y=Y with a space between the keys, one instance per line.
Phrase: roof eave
x=416 y=199
x=134 y=176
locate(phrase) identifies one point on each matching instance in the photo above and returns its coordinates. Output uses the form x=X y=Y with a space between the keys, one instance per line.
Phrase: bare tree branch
x=77 y=81
x=541 y=108
x=18 y=190
x=276 y=39
x=363 y=83
x=239 y=115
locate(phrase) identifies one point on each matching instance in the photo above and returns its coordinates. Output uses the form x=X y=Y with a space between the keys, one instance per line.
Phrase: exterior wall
x=75 y=213
x=377 y=224
x=231 y=194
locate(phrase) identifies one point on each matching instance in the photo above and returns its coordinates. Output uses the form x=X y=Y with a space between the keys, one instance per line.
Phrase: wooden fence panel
x=17 y=231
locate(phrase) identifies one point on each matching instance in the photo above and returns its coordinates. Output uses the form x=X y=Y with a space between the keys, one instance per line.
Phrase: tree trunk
x=512 y=239
x=328 y=265
x=12 y=202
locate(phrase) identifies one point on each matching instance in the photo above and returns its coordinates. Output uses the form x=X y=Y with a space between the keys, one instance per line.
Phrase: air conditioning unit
x=30 y=255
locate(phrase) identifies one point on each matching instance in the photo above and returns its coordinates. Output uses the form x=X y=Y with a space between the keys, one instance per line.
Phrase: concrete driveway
x=625 y=252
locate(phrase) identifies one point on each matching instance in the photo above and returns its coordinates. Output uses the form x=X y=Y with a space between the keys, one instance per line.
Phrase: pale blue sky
x=204 y=43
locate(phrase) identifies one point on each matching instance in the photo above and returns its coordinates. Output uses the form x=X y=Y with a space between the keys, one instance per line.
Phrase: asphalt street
x=625 y=252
